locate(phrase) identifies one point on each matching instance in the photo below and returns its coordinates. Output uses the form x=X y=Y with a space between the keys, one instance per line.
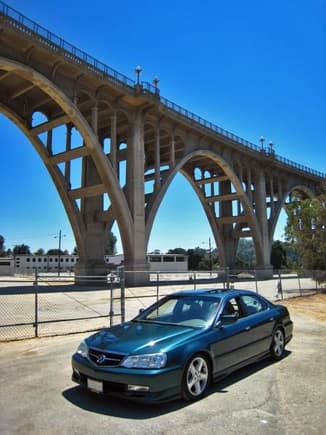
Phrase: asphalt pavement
x=37 y=395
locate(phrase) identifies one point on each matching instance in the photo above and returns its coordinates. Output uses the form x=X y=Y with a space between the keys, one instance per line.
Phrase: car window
x=164 y=309
x=231 y=308
x=253 y=304
x=192 y=311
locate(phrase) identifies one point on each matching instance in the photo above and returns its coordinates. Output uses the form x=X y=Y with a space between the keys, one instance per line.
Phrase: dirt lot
x=313 y=306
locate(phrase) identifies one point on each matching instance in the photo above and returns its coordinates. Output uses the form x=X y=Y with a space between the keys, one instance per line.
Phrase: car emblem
x=100 y=359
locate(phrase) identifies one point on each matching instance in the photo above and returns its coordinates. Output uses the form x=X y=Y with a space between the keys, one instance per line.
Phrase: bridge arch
x=307 y=192
x=103 y=166
x=181 y=166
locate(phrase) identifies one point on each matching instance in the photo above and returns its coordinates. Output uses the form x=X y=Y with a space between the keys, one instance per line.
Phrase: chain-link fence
x=47 y=305
x=44 y=305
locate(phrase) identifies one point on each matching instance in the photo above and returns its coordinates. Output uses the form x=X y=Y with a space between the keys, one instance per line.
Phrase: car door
x=261 y=322
x=233 y=339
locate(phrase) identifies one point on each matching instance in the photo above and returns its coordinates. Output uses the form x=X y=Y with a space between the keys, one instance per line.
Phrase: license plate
x=96 y=386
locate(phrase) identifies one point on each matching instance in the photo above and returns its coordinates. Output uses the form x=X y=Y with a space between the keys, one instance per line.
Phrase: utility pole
x=59 y=251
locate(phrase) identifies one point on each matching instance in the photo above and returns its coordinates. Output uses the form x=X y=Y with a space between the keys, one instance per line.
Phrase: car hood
x=141 y=337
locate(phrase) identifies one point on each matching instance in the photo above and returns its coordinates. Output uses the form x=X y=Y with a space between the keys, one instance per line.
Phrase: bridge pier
x=264 y=269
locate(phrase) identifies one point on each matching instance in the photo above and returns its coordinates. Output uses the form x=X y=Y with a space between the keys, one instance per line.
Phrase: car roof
x=217 y=292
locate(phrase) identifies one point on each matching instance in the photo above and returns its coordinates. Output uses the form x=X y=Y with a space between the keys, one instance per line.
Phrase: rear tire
x=196 y=378
x=278 y=344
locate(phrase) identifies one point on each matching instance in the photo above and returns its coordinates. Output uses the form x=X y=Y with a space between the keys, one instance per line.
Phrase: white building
x=167 y=262
x=27 y=264
x=7 y=266
x=45 y=263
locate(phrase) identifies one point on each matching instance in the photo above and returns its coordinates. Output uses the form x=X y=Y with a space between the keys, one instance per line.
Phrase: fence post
x=35 y=285
x=111 y=278
x=256 y=281
x=122 y=295
x=157 y=285
x=299 y=282
x=195 y=279
x=279 y=285
x=227 y=273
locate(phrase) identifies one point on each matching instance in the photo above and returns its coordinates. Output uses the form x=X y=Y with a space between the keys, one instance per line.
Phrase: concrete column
x=229 y=242
x=249 y=191
x=212 y=189
x=280 y=190
x=95 y=119
x=172 y=150
x=49 y=142
x=93 y=264
x=68 y=148
x=113 y=134
x=261 y=213
x=271 y=187
x=157 y=158
x=135 y=262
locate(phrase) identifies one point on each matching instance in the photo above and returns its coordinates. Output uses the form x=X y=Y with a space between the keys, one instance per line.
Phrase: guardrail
x=74 y=54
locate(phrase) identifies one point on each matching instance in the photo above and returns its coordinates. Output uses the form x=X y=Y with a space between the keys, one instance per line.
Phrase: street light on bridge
x=138 y=71
x=156 y=81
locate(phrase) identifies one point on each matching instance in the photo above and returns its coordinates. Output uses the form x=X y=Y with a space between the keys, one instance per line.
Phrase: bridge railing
x=56 y=43
x=74 y=54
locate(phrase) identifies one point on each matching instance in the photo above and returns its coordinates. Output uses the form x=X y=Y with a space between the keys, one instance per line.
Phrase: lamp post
x=156 y=81
x=271 y=148
x=262 y=140
x=138 y=71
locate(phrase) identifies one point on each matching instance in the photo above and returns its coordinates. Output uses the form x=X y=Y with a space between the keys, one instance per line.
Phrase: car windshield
x=192 y=311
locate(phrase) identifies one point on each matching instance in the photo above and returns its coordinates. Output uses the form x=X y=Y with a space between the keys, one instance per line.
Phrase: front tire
x=196 y=378
x=278 y=344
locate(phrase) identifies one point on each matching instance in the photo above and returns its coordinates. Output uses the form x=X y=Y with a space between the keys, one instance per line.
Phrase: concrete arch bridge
x=127 y=143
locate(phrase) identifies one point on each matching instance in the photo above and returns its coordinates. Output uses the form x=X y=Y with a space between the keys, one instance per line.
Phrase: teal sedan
x=178 y=346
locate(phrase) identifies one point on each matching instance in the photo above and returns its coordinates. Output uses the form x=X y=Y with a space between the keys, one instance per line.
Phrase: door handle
x=247 y=328
x=271 y=319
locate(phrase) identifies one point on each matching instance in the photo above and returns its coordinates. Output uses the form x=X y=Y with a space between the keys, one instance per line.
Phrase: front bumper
x=163 y=384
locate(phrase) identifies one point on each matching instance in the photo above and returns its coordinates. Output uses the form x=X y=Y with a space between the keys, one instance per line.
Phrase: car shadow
x=117 y=407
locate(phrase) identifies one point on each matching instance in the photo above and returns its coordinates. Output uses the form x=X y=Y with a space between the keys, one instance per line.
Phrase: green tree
x=177 y=251
x=55 y=252
x=21 y=250
x=110 y=246
x=306 y=230
x=245 y=253
x=39 y=252
x=279 y=255
x=195 y=256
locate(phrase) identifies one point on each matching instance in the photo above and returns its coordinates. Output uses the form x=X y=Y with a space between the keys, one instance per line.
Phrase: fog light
x=140 y=388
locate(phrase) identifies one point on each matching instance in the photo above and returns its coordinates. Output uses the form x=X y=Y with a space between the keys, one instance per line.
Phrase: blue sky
x=253 y=67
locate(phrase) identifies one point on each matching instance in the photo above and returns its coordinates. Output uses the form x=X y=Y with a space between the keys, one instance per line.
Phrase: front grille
x=105 y=359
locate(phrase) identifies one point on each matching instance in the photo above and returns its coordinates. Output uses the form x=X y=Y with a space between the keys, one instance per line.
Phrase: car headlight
x=82 y=349
x=147 y=361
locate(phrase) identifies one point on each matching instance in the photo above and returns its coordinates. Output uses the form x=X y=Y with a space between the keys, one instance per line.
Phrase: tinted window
x=253 y=304
x=232 y=307
x=189 y=310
